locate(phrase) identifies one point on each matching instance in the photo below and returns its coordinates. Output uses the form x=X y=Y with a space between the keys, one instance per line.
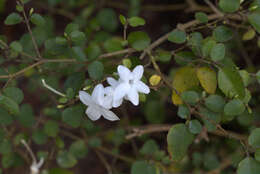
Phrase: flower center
x=131 y=82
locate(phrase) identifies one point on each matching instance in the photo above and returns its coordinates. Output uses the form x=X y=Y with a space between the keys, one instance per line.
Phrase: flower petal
x=108 y=99
x=85 y=98
x=123 y=72
x=120 y=91
x=133 y=96
x=111 y=81
x=109 y=115
x=93 y=113
x=117 y=103
x=142 y=87
x=98 y=94
x=138 y=72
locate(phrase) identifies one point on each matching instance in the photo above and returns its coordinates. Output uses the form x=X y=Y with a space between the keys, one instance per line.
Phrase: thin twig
x=29 y=150
x=214 y=8
x=104 y=161
x=52 y=89
x=30 y=32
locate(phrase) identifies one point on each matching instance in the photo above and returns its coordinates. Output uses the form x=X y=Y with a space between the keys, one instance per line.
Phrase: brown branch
x=139 y=131
x=184 y=27
x=43 y=61
x=116 y=53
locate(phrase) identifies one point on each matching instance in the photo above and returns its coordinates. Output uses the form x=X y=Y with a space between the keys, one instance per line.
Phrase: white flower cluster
x=103 y=98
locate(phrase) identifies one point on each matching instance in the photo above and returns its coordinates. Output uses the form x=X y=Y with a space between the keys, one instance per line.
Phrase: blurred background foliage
x=79 y=37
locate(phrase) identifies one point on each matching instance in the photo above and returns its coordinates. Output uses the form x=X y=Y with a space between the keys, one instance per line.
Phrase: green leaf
x=77 y=36
x=39 y=137
x=51 y=128
x=66 y=159
x=8 y=160
x=143 y=167
x=61 y=40
x=139 y=40
x=195 y=127
x=26 y=116
x=16 y=46
x=136 y=21
x=107 y=18
x=257 y=155
x=210 y=119
x=210 y=161
x=112 y=45
x=202 y=17
x=59 y=171
x=78 y=54
x=154 y=112
x=248 y=166
x=254 y=138
x=215 y=103
x=222 y=33
x=75 y=81
x=59 y=142
x=207 y=47
x=177 y=148
x=122 y=19
x=254 y=19
x=93 y=51
x=234 y=107
x=71 y=27
x=177 y=36
x=9 y=105
x=208 y=79
x=190 y=97
x=245 y=77
x=5 y=118
x=78 y=149
x=14 y=93
x=13 y=18
x=183 y=112
x=229 y=6
x=218 y=52
x=184 y=57
x=163 y=56
x=37 y=19
x=258 y=76
x=95 y=70
x=73 y=116
x=5 y=147
x=149 y=147
x=230 y=82
x=95 y=142
x=17 y=139
x=195 y=42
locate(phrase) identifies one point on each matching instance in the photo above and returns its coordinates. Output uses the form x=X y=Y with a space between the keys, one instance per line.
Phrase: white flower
x=128 y=85
x=114 y=83
x=99 y=103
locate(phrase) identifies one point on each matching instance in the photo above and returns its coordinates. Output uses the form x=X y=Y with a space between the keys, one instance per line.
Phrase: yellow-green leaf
x=250 y=34
x=155 y=80
x=208 y=79
x=185 y=78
